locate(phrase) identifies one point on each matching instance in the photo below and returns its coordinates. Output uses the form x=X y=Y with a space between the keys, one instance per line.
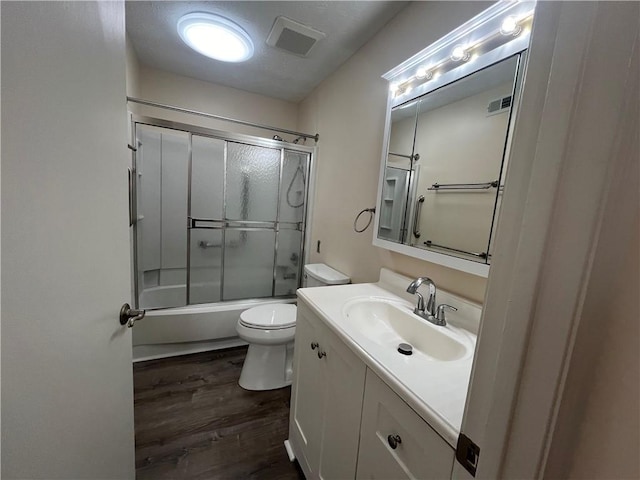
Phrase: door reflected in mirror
x=445 y=167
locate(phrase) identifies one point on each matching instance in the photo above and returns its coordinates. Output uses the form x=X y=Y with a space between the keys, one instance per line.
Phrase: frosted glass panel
x=162 y=165
x=292 y=192
x=253 y=174
x=207 y=177
x=149 y=167
x=288 y=261
x=175 y=160
x=248 y=263
x=206 y=265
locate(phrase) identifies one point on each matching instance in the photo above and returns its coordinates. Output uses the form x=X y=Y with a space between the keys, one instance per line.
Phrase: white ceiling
x=151 y=27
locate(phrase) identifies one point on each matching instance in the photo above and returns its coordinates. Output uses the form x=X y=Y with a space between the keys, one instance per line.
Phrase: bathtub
x=195 y=328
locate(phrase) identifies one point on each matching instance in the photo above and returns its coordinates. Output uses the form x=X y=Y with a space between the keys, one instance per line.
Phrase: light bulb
x=458 y=53
x=510 y=26
x=424 y=73
x=394 y=87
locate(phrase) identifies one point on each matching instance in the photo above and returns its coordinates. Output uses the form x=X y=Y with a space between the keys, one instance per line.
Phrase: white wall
x=597 y=434
x=133 y=70
x=169 y=88
x=347 y=110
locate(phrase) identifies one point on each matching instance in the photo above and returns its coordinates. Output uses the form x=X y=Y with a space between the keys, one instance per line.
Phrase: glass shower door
x=206 y=232
x=252 y=181
x=217 y=219
x=291 y=215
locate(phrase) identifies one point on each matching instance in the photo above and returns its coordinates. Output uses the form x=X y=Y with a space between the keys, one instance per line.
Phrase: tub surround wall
x=348 y=110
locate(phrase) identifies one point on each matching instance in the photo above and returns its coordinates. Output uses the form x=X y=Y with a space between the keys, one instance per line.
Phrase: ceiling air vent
x=293 y=37
x=499 y=105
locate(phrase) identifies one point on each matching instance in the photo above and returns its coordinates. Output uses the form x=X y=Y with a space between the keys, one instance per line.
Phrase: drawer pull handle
x=321 y=354
x=394 y=441
x=314 y=345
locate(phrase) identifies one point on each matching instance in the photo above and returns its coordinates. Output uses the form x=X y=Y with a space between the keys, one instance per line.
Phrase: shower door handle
x=416 y=216
x=129 y=316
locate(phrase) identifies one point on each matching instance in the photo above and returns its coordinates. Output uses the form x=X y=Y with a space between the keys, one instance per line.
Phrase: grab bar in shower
x=464 y=186
x=482 y=255
x=415 y=157
x=416 y=216
x=205 y=244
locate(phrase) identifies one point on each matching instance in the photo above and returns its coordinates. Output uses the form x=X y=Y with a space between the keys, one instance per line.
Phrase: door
x=66 y=362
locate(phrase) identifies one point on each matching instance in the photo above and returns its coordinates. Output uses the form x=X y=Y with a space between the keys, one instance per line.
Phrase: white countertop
x=436 y=390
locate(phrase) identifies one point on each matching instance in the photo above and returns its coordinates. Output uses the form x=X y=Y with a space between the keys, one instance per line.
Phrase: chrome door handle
x=416 y=216
x=129 y=316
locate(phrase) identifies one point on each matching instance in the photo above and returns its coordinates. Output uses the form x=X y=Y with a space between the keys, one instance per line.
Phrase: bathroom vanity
x=360 y=408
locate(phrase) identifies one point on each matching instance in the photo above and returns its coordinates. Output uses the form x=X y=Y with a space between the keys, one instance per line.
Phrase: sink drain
x=405 y=349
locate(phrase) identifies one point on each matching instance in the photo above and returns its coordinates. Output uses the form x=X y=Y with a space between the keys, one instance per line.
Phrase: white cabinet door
x=307 y=394
x=344 y=376
x=326 y=400
x=67 y=376
x=396 y=443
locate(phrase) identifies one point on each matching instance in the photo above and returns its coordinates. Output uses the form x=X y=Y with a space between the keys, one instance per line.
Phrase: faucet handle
x=440 y=316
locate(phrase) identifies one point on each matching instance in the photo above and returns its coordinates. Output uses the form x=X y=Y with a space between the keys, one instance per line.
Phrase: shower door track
x=224 y=224
x=173 y=108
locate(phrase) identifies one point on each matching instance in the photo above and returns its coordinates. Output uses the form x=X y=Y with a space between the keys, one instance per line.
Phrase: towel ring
x=355 y=222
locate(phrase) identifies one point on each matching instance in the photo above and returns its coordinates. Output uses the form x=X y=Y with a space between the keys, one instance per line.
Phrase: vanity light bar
x=499 y=24
x=463 y=53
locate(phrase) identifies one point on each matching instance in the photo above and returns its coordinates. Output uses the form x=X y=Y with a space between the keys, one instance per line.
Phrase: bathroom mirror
x=461 y=133
x=450 y=111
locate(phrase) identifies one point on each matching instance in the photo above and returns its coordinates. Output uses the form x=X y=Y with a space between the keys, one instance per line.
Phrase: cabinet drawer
x=419 y=453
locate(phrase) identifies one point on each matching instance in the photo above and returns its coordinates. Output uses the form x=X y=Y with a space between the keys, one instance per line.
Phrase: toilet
x=270 y=329
x=321 y=275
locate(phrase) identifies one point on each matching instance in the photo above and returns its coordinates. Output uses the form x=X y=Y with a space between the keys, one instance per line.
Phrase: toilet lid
x=270 y=317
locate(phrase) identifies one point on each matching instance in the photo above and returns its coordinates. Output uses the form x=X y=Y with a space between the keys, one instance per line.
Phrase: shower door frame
x=225 y=136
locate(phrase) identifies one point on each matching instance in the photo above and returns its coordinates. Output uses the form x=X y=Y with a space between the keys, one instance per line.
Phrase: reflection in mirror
x=461 y=132
x=398 y=174
x=455 y=170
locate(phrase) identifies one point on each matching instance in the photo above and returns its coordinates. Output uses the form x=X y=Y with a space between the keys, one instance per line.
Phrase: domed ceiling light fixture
x=215 y=37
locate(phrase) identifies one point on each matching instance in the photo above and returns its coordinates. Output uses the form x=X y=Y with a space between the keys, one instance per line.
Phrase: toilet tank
x=320 y=275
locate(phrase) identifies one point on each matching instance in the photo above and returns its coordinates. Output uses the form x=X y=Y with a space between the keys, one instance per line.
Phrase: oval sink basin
x=389 y=324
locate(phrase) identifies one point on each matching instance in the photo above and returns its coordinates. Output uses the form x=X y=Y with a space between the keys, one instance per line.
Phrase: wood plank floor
x=193 y=421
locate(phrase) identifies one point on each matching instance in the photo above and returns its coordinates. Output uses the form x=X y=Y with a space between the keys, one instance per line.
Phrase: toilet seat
x=277 y=316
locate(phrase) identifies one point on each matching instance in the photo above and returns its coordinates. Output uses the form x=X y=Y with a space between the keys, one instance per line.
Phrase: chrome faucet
x=422 y=310
x=429 y=311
